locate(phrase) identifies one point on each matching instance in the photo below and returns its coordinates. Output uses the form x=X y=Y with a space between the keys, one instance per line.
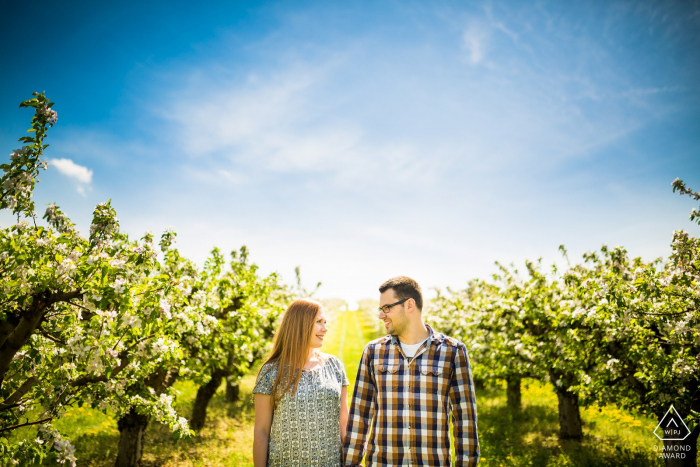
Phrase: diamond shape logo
x=672 y=427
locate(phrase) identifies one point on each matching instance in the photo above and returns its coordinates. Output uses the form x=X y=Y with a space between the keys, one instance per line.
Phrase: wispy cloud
x=636 y=92
x=281 y=124
x=71 y=169
x=474 y=42
x=368 y=145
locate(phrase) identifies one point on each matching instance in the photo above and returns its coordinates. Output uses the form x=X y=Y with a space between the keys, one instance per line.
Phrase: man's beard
x=397 y=329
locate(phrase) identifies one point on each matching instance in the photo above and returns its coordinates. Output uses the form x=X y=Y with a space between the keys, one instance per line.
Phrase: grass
x=529 y=438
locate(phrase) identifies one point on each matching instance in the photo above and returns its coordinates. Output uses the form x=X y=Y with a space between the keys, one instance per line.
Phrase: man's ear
x=411 y=305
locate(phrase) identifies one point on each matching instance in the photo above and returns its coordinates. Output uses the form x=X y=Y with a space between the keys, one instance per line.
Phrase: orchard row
x=112 y=322
x=606 y=330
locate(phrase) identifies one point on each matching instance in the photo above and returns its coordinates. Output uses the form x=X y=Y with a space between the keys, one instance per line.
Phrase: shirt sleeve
x=266 y=378
x=362 y=408
x=463 y=402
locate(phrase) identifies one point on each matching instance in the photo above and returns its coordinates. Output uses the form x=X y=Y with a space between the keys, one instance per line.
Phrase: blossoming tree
x=650 y=357
x=610 y=330
x=82 y=316
x=246 y=307
x=100 y=320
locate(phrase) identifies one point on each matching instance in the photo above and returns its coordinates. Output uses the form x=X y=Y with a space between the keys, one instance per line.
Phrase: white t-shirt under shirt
x=410 y=350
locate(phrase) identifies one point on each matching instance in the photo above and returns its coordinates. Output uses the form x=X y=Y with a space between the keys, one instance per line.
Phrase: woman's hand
x=343 y=413
x=261 y=432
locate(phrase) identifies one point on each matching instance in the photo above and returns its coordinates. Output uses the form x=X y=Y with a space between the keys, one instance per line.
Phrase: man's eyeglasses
x=384 y=309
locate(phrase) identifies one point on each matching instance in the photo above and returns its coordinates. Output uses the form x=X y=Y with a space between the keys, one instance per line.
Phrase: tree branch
x=663 y=314
x=90 y=314
x=43 y=332
x=124 y=356
x=17 y=395
x=64 y=296
x=14 y=427
x=28 y=324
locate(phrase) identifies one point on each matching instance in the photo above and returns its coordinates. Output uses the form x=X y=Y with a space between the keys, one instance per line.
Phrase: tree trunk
x=233 y=390
x=682 y=453
x=514 y=396
x=569 y=416
x=131 y=429
x=132 y=426
x=204 y=395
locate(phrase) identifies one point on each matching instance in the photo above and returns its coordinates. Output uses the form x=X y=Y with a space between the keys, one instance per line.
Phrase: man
x=408 y=385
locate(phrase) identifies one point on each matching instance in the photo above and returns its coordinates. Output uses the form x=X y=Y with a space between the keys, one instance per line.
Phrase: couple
x=408 y=385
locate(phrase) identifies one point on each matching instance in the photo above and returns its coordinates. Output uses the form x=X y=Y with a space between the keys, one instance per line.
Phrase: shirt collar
x=433 y=337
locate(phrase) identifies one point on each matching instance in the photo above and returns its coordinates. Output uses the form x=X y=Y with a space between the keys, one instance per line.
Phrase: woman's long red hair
x=291 y=347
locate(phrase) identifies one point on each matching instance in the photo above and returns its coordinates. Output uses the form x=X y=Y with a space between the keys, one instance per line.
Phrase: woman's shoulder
x=266 y=378
x=332 y=359
x=268 y=368
x=328 y=357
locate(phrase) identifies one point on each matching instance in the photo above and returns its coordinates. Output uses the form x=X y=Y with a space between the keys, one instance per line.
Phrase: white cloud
x=231 y=177
x=297 y=121
x=483 y=139
x=71 y=169
x=474 y=41
x=279 y=124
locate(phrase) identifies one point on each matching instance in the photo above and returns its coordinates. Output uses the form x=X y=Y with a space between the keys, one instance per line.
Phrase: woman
x=301 y=404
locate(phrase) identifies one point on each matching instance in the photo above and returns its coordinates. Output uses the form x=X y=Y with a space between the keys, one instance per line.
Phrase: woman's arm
x=343 y=413
x=261 y=432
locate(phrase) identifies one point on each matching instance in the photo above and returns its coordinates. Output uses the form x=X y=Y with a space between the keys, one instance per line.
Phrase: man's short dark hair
x=404 y=287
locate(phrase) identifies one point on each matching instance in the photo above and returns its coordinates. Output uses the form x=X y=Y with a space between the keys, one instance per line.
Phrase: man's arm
x=361 y=413
x=463 y=402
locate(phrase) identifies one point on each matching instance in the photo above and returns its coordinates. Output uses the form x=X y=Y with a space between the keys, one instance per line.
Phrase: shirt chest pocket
x=387 y=375
x=433 y=379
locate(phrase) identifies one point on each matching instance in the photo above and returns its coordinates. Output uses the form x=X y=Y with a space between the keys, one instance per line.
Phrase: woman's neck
x=313 y=353
x=313 y=360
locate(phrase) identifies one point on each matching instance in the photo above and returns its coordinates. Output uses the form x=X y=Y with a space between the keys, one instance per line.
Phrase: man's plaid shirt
x=406 y=404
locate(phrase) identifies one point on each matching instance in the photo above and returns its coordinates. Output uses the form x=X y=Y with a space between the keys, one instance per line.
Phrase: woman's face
x=319 y=330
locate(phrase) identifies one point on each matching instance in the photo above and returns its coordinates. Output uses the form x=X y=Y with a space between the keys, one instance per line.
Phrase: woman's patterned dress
x=305 y=428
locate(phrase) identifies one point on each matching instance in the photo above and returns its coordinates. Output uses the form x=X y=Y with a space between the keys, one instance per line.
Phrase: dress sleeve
x=266 y=379
x=343 y=377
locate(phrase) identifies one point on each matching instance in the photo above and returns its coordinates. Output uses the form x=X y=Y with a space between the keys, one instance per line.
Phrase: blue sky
x=363 y=140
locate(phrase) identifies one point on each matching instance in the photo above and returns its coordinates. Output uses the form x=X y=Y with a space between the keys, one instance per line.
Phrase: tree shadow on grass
x=160 y=446
x=529 y=438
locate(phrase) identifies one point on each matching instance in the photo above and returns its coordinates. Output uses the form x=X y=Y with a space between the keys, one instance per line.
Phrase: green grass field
x=613 y=437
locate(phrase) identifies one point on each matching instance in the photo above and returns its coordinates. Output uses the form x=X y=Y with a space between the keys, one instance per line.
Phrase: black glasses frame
x=385 y=308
